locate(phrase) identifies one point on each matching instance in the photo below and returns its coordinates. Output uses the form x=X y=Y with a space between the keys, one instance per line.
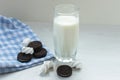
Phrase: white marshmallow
x=25 y=42
x=27 y=50
x=45 y=67
x=76 y=65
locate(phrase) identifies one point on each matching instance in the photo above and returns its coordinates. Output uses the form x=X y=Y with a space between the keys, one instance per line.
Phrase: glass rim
x=66 y=9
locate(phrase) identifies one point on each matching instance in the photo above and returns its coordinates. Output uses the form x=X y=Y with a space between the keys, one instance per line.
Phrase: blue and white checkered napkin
x=12 y=33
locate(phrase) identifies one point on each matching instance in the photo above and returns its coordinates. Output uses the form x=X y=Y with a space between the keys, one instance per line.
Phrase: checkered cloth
x=12 y=33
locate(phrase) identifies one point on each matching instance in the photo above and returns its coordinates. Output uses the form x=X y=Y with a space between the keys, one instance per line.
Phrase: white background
x=99 y=50
x=106 y=12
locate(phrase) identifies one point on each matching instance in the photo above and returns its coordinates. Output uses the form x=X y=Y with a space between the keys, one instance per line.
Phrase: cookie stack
x=31 y=49
x=39 y=51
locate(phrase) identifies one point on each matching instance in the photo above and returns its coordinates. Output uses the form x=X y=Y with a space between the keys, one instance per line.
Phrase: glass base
x=65 y=59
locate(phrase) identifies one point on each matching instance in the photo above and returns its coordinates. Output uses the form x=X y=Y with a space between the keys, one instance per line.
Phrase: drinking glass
x=66 y=32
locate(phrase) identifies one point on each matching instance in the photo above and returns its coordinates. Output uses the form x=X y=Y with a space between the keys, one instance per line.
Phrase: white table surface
x=99 y=53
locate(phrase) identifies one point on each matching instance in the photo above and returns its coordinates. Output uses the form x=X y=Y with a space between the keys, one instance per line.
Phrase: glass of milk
x=66 y=32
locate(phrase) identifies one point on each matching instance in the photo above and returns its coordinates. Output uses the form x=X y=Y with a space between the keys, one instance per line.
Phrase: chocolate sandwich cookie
x=22 y=57
x=64 y=71
x=40 y=54
x=36 y=45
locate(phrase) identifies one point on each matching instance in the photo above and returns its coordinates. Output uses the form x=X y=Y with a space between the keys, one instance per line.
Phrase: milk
x=66 y=37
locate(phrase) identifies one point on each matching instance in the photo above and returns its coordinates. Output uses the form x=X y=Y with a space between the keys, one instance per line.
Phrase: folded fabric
x=12 y=33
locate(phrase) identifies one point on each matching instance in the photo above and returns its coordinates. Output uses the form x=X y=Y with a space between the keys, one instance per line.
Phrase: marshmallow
x=76 y=65
x=25 y=42
x=27 y=50
x=45 y=67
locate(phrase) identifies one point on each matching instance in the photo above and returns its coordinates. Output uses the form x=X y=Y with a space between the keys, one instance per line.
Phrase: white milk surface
x=66 y=37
